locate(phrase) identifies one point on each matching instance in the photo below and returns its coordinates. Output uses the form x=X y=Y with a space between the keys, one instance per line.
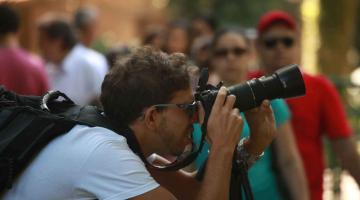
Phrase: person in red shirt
x=19 y=71
x=319 y=113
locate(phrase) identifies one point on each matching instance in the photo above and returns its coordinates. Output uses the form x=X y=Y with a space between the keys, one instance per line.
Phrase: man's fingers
x=266 y=104
x=229 y=104
x=235 y=116
x=238 y=122
x=220 y=99
x=235 y=112
x=266 y=107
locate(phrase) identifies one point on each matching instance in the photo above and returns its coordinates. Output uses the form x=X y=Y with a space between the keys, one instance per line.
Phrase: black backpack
x=28 y=123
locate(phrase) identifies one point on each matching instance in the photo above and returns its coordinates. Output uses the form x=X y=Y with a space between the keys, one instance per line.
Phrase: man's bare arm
x=345 y=150
x=290 y=163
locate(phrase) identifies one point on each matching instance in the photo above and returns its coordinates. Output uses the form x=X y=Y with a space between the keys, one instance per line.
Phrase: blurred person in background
x=177 y=37
x=19 y=71
x=200 y=51
x=319 y=113
x=116 y=53
x=203 y=25
x=70 y=70
x=279 y=173
x=201 y=30
x=86 y=24
x=154 y=38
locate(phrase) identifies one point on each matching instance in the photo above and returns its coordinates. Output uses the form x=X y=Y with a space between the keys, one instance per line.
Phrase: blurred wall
x=119 y=21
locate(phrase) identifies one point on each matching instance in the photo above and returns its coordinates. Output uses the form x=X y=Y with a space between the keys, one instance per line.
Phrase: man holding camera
x=318 y=113
x=149 y=96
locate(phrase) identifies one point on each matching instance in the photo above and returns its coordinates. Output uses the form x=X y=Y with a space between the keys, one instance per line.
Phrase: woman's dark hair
x=183 y=24
x=178 y=24
x=209 y=19
x=9 y=19
x=221 y=32
x=151 y=36
x=83 y=17
x=59 y=29
x=145 y=78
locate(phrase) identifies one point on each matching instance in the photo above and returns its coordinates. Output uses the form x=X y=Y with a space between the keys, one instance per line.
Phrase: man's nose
x=230 y=56
x=281 y=48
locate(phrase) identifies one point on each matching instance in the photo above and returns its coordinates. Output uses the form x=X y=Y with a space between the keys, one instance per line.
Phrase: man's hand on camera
x=225 y=124
x=262 y=128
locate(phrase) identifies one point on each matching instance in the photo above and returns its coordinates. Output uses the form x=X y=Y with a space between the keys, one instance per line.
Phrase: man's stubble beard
x=166 y=136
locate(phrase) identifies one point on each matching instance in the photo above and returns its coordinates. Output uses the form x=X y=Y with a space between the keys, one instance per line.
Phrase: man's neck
x=85 y=42
x=61 y=56
x=9 y=41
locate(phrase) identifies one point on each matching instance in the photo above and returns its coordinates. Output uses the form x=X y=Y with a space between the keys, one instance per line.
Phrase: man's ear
x=151 y=118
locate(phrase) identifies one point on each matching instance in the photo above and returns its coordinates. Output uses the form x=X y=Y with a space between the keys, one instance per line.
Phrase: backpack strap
x=86 y=115
x=92 y=116
x=133 y=143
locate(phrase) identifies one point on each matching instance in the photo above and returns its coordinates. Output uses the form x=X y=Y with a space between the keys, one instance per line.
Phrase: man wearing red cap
x=318 y=113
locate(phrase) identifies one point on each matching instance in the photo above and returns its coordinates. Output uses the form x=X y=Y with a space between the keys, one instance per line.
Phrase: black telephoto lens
x=286 y=82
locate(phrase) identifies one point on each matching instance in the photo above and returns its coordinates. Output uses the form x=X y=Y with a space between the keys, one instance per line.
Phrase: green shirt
x=261 y=175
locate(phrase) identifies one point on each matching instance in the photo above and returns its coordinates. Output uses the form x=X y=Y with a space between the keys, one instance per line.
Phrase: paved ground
x=349 y=189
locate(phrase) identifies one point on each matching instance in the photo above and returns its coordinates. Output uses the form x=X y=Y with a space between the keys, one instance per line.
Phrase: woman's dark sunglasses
x=191 y=109
x=271 y=43
x=237 y=51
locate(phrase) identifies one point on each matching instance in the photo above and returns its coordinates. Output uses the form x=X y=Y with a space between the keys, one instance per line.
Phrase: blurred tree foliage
x=337 y=32
x=357 y=33
x=338 y=23
x=231 y=12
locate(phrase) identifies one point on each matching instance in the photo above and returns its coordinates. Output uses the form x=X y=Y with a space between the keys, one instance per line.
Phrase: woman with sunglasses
x=230 y=57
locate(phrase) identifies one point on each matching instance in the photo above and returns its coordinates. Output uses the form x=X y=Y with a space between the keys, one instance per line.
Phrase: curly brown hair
x=144 y=78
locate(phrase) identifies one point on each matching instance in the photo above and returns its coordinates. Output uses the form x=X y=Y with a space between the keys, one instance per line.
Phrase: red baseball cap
x=275 y=16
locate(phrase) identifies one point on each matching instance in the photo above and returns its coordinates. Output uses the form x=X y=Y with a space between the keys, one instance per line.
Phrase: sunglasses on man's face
x=223 y=52
x=272 y=42
x=191 y=109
